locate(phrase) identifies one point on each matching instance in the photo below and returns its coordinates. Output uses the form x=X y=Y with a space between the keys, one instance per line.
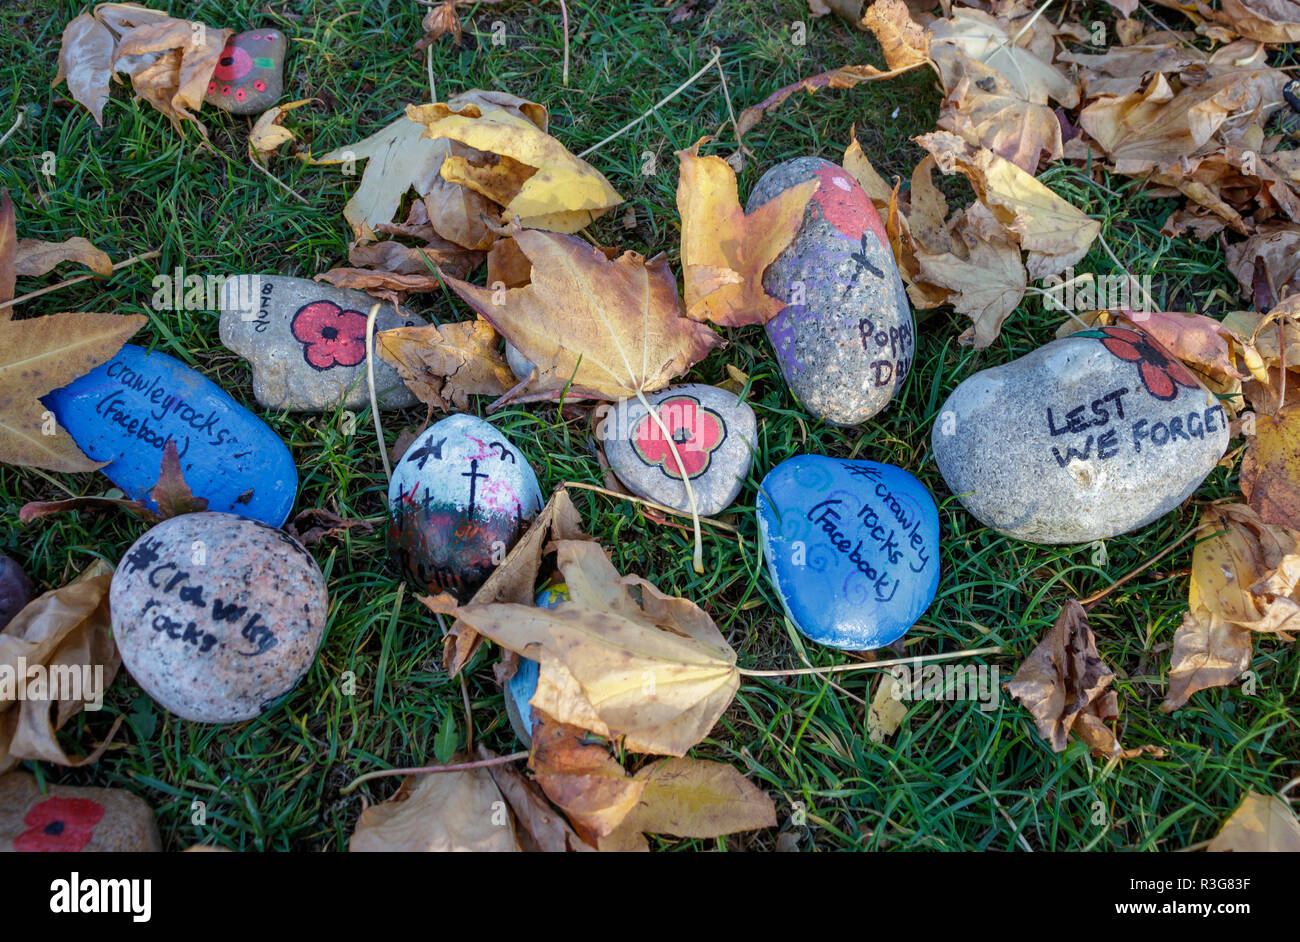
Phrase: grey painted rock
x=249 y=77
x=69 y=818
x=846 y=338
x=460 y=497
x=1086 y=438
x=217 y=616
x=15 y=589
x=715 y=434
x=306 y=343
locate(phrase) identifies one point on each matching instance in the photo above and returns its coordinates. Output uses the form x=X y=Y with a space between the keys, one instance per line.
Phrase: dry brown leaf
x=846 y=76
x=724 y=252
x=1270 y=469
x=1246 y=574
x=605 y=329
x=66 y=631
x=8 y=249
x=1125 y=70
x=986 y=286
x=983 y=38
x=886 y=711
x=507 y=267
x=1266 y=21
x=269 y=134
x=378 y=282
x=1277 y=247
x=438 y=812
x=903 y=41
x=443 y=365
x=539 y=828
x=40 y=354
x=859 y=167
x=86 y=62
x=986 y=110
x=582 y=779
x=34 y=257
x=316 y=524
x=1260 y=823
x=439 y=21
x=1207 y=652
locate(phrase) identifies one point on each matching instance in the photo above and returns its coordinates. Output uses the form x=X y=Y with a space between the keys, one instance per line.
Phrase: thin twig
x=663 y=101
x=846 y=668
x=698 y=558
x=429 y=769
x=464 y=693
x=726 y=96
x=1098 y=596
x=127 y=263
x=370 y=382
x=428 y=68
x=284 y=186
x=649 y=503
x=18 y=122
x=564 y=21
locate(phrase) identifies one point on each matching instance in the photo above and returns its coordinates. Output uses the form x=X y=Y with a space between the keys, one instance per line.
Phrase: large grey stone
x=715 y=434
x=217 y=616
x=846 y=338
x=306 y=343
x=1086 y=438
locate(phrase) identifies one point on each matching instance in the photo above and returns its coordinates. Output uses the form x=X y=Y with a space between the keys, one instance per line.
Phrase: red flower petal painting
x=59 y=824
x=845 y=206
x=330 y=335
x=1160 y=371
x=696 y=430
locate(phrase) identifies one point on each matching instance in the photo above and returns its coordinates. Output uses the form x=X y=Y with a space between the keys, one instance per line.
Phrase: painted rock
x=71 y=818
x=519 y=364
x=523 y=684
x=306 y=343
x=715 y=434
x=852 y=548
x=15 y=589
x=125 y=410
x=249 y=77
x=846 y=339
x=460 y=497
x=217 y=616
x=1085 y=438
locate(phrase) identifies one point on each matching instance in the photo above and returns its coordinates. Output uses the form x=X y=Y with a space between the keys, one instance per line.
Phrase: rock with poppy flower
x=71 y=818
x=459 y=498
x=306 y=343
x=715 y=434
x=1088 y=437
x=523 y=682
x=846 y=338
x=15 y=589
x=249 y=77
x=217 y=617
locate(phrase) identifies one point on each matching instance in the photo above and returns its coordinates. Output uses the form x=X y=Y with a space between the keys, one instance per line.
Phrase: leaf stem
x=125 y=263
x=846 y=668
x=370 y=382
x=429 y=769
x=698 y=558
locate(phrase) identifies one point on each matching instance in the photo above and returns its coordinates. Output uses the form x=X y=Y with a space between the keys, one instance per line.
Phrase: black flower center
x=54 y=828
x=329 y=333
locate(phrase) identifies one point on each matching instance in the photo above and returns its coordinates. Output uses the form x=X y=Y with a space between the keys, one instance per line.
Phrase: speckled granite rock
x=460 y=497
x=249 y=77
x=306 y=343
x=715 y=434
x=846 y=338
x=71 y=818
x=216 y=616
x=1086 y=438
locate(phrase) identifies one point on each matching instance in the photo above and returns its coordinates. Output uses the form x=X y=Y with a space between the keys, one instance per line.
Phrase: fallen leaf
x=582 y=779
x=8 y=250
x=438 y=812
x=986 y=110
x=604 y=329
x=38 y=355
x=983 y=38
x=86 y=63
x=859 y=167
x=1270 y=469
x=316 y=524
x=439 y=21
x=846 y=76
x=364 y=279
x=443 y=365
x=903 y=41
x=539 y=828
x=724 y=252
x=886 y=711
x=1260 y=823
x=1278 y=246
x=691 y=798
x=1207 y=652
x=34 y=257
x=1266 y=21
x=66 y=631
x=986 y=286
x=172 y=495
x=268 y=134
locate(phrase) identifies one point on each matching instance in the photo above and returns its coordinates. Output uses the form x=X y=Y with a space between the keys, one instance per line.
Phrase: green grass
x=953 y=778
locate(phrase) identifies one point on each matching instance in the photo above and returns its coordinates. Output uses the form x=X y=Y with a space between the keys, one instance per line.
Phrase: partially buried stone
x=852 y=548
x=70 y=818
x=519 y=364
x=306 y=343
x=460 y=497
x=523 y=683
x=15 y=589
x=846 y=339
x=1086 y=438
x=249 y=77
x=216 y=616
x=715 y=434
x=124 y=412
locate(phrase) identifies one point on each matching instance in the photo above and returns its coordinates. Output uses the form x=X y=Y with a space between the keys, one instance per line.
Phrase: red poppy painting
x=1160 y=371
x=59 y=824
x=845 y=206
x=330 y=335
x=696 y=430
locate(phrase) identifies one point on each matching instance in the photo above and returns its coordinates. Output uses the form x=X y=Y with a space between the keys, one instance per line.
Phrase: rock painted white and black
x=460 y=497
x=715 y=434
x=306 y=343
x=217 y=616
x=846 y=338
x=249 y=77
x=852 y=548
x=1088 y=437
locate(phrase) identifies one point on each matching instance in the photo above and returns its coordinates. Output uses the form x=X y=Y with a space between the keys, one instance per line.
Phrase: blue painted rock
x=125 y=410
x=715 y=434
x=523 y=684
x=1088 y=437
x=846 y=338
x=306 y=343
x=852 y=548
x=249 y=77
x=460 y=497
x=217 y=616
